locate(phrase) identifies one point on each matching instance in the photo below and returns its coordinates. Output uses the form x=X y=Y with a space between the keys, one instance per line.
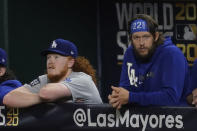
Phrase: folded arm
x=54 y=91
x=21 y=97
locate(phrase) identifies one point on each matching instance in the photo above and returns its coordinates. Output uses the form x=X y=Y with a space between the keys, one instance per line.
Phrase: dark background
x=33 y=24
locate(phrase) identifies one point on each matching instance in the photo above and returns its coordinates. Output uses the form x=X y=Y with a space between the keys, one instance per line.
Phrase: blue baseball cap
x=3 y=57
x=62 y=47
x=139 y=25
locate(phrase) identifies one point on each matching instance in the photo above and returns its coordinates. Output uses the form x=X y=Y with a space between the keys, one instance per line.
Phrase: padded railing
x=92 y=117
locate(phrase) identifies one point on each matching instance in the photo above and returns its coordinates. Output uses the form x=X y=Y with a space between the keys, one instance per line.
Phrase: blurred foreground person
x=8 y=80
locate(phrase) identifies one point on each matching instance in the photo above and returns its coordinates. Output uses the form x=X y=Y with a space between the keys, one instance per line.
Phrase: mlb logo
x=186 y=32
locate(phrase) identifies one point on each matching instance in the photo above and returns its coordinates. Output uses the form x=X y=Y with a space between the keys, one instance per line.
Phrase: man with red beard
x=69 y=77
x=154 y=71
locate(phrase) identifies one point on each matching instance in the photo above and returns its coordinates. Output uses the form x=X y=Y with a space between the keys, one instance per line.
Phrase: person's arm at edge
x=20 y=98
x=192 y=85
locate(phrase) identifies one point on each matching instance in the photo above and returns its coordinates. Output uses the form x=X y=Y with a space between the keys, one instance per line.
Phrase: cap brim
x=50 y=51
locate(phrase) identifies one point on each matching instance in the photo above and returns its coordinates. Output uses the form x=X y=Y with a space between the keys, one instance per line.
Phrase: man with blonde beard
x=68 y=77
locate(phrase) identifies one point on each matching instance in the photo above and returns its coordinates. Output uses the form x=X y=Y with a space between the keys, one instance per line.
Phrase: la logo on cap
x=72 y=52
x=54 y=44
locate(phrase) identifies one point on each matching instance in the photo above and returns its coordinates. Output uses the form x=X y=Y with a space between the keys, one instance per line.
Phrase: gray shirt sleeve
x=83 y=89
x=37 y=84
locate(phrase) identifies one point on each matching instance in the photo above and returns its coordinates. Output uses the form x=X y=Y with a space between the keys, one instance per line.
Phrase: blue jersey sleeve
x=8 y=86
x=172 y=78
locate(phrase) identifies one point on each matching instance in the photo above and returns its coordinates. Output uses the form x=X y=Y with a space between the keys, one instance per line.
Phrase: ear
x=71 y=62
x=2 y=71
x=156 y=36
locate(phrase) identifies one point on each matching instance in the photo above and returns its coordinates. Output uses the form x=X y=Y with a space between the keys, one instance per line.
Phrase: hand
x=113 y=100
x=123 y=95
x=194 y=93
x=119 y=97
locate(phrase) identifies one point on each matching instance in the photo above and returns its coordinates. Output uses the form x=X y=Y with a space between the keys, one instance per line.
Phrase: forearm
x=162 y=98
x=19 y=99
x=54 y=91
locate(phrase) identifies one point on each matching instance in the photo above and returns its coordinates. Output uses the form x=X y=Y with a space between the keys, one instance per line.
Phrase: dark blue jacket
x=6 y=87
x=161 y=81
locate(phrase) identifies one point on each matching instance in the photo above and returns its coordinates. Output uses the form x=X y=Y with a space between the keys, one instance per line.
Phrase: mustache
x=143 y=47
x=50 y=66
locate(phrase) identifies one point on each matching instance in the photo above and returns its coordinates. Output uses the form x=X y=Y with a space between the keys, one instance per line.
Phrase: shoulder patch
x=35 y=82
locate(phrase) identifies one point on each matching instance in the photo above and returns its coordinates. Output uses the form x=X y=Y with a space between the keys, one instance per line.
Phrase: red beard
x=58 y=77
